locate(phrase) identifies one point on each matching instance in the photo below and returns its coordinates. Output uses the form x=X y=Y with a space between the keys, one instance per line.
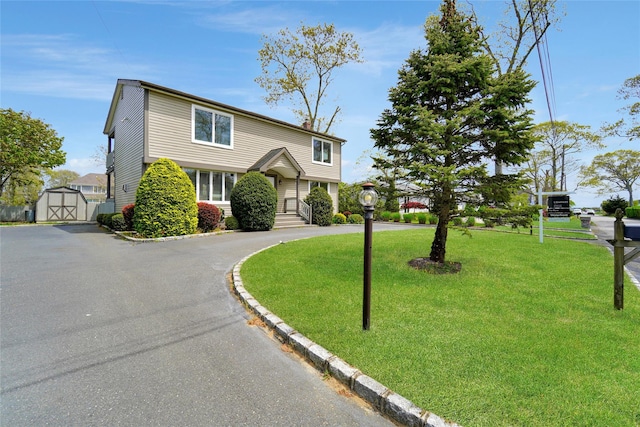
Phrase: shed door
x=62 y=206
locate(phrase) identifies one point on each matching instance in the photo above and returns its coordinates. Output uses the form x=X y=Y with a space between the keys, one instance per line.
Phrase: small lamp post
x=368 y=198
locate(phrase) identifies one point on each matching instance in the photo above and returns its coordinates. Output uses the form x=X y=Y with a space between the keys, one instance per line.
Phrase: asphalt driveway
x=602 y=226
x=98 y=331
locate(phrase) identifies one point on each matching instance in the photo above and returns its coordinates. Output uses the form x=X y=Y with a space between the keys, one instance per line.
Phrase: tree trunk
x=439 y=245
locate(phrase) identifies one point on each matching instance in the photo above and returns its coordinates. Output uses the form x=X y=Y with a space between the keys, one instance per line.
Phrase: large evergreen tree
x=451 y=113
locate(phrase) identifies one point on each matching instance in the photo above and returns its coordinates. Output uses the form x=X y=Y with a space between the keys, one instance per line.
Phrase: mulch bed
x=432 y=267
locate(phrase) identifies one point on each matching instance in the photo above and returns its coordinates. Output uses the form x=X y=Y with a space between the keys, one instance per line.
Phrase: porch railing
x=305 y=211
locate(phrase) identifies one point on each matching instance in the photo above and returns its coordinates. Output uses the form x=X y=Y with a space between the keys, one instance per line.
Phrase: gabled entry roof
x=279 y=160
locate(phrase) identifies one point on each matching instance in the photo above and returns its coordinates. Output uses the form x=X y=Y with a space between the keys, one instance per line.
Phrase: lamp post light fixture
x=368 y=198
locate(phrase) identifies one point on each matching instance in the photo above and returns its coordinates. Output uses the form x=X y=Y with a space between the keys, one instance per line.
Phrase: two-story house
x=92 y=185
x=215 y=144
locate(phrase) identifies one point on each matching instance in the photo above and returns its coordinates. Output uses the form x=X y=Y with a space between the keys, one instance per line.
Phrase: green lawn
x=525 y=335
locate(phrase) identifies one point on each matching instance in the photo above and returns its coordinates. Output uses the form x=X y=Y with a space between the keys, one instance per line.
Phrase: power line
x=547 y=93
x=104 y=24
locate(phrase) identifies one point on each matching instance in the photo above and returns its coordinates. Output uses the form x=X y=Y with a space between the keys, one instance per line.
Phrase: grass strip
x=525 y=334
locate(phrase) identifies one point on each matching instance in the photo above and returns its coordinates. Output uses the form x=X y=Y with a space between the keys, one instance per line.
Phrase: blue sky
x=60 y=60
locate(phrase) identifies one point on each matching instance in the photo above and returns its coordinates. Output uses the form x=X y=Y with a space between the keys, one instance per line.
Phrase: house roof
x=278 y=159
x=97 y=179
x=173 y=92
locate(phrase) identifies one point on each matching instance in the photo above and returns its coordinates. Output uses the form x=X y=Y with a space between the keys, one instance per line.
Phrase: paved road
x=602 y=226
x=99 y=331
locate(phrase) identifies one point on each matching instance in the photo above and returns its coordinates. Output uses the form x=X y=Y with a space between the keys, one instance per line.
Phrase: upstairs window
x=322 y=152
x=212 y=127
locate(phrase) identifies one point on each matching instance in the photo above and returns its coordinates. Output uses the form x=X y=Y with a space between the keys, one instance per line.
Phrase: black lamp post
x=368 y=198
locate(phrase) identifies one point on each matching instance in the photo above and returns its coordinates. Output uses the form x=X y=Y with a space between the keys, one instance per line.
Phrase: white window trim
x=213 y=130
x=328 y=185
x=323 y=142
x=209 y=173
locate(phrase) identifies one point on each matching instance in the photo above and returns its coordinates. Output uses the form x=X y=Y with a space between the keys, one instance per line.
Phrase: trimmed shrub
x=208 y=217
x=422 y=218
x=108 y=220
x=395 y=216
x=633 y=212
x=355 y=219
x=385 y=216
x=127 y=212
x=118 y=223
x=457 y=221
x=408 y=218
x=471 y=221
x=321 y=206
x=433 y=219
x=413 y=205
x=339 y=218
x=231 y=223
x=612 y=204
x=100 y=218
x=254 y=201
x=165 y=202
x=489 y=223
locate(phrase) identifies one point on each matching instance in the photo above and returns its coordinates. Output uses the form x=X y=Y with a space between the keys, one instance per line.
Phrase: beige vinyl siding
x=129 y=143
x=170 y=136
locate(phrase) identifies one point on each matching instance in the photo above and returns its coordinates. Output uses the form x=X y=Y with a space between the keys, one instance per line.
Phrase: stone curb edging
x=383 y=399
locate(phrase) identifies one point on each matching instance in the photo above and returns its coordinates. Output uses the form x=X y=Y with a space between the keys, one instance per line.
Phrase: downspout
x=298 y=193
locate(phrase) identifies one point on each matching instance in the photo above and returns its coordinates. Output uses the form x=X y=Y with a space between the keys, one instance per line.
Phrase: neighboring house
x=215 y=144
x=93 y=186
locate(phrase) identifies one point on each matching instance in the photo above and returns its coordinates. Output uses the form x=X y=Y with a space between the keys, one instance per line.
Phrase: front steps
x=286 y=220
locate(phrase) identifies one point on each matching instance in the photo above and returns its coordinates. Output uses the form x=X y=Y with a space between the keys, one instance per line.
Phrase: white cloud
x=83 y=166
x=380 y=46
x=61 y=66
x=257 y=20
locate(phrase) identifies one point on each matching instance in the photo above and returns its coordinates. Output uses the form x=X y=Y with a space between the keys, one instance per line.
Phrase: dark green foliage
x=106 y=219
x=339 y=218
x=127 y=212
x=165 y=202
x=348 y=198
x=253 y=202
x=457 y=221
x=231 y=223
x=451 y=113
x=422 y=218
x=355 y=219
x=516 y=217
x=633 y=212
x=391 y=203
x=321 y=206
x=611 y=204
x=208 y=217
x=118 y=222
x=433 y=219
